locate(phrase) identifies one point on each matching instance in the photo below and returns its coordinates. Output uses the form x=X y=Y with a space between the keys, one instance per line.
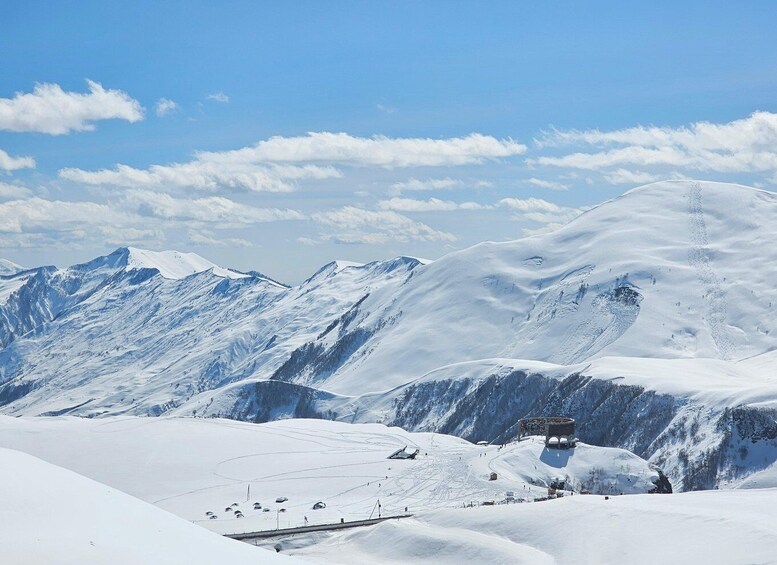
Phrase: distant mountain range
x=649 y=318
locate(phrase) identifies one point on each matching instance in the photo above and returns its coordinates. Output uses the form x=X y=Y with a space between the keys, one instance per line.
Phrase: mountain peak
x=9 y=267
x=174 y=264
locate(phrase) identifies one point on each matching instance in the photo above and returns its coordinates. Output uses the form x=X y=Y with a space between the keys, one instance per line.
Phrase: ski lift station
x=559 y=432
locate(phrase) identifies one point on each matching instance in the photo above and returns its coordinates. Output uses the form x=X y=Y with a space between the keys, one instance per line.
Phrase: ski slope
x=714 y=527
x=52 y=515
x=194 y=466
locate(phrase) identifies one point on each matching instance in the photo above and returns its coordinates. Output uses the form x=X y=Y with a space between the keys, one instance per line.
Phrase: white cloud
x=275 y=164
x=204 y=176
x=547 y=184
x=540 y=211
x=376 y=151
x=431 y=205
x=125 y=235
x=744 y=145
x=13 y=192
x=38 y=215
x=355 y=225
x=215 y=209
x=529 y=205
x=209 y=239
x=164 y=106
x=624 y=176
x=8 y=163
x=413 y=184
x=385 y=109
x=137 y=217
x=49 y=109
x=218 y=97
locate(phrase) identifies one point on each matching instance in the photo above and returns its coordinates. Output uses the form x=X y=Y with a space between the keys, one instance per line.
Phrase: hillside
x=718 y=528
x=52 y=515
x=192 y=466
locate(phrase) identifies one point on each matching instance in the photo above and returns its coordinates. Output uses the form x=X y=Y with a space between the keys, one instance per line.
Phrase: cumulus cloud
x=625 y=176
x=218 y=97
x=540 y=211
x=211 y=209
x=8 y=163
x=413 y=184
x=529 y=205
x=164 y=106
x=744 y=145
x=431 y=205
x=275 y=164
x=376 y=151
x=203 y=175
x=49 y=109
x=41 y=215
x=210 y=239
x=355 y=225
x=13 y=192
x=137 y=217
x=547 y=184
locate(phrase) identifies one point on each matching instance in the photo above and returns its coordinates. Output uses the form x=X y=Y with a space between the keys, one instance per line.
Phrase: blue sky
x=456 y=122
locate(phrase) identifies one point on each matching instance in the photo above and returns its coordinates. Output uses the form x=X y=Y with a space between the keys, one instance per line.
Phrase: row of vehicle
x=258 y=506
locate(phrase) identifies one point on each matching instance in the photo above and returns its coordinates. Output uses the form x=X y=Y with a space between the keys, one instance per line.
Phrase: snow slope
x=9 y=267
x=175 y=265
x=702 y=527
x=194 y=466
x=52 y=515
x=670 y=270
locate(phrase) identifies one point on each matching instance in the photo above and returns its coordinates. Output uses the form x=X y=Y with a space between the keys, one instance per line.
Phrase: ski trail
x=699 y=259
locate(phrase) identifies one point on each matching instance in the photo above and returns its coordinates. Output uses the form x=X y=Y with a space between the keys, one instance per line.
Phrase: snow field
x=712 y=527
x=52 y=515
x=193 y=466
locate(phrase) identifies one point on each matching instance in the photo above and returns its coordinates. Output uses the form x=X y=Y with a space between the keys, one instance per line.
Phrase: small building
x=559 y=432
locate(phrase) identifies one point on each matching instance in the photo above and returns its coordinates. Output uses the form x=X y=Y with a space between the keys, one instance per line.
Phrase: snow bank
x=719 y=527
x=52 y=515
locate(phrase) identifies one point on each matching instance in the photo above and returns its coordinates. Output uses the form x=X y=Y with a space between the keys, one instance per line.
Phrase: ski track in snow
x=699 y=259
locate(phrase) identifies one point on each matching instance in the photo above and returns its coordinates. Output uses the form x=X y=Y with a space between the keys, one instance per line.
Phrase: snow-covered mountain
x=649 y=318
x=9 y=267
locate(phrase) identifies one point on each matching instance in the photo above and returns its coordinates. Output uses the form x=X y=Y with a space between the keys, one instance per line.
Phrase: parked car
x=257 y=505
x=265 y=510
x=212 y=517
x=319 y=505
x=281 y=499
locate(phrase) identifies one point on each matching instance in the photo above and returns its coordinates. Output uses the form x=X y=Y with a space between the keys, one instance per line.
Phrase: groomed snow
x=52 y=515
x=713 y=528
x=194 y=466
